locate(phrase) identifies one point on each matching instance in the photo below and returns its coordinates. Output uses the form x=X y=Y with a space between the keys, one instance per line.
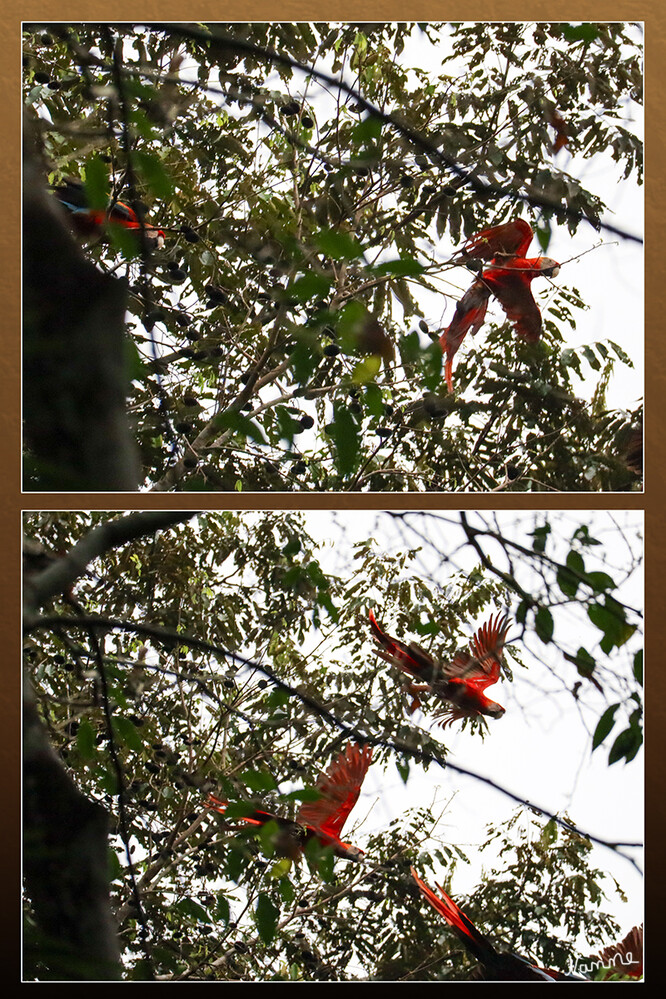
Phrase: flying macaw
x=460 y=683
x=323 y=819
x=494 y=965
x=508 y=277
x=89 y=222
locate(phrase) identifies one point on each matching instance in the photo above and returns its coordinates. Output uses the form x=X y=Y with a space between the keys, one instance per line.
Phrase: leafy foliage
x=230 y=654
x=283 y=340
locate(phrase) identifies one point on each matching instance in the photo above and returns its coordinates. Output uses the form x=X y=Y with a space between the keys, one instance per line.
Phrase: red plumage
x=323 y=819
x=89 y=222
x=508 y=277
x=460 y=684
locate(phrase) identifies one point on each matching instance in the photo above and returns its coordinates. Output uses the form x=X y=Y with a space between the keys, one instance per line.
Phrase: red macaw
x=89 y=222
x=508 y=277
x=460 y=683
x=494 y=965
x=322 y=819
x=623 y=958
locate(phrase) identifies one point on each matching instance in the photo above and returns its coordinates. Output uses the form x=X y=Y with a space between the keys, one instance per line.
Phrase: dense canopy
x=171 y=656
x=314 y=183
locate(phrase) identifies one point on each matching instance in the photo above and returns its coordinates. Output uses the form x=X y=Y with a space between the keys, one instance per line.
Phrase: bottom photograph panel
x=333 y=746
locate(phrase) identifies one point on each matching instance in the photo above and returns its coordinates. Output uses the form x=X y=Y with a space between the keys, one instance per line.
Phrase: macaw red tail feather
x=221 y=806
x=410 y=658
x=462 y=926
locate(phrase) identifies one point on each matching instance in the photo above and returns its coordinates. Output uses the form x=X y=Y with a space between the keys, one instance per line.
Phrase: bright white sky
x=539 y=749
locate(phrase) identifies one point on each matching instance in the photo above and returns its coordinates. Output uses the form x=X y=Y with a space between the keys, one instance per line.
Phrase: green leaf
x=543 y=623
x=267 y=835
x=128 y=732
x=233 y=420
x=235 y=863
x=107 y=778
x=540 y=535
x=626 y=745
x=604 y=725
x=366 y=370
x=222 y=910
x=302 y=794
x=239 y=809
x=288 y=425
x=591 y=358
x=374 y=402
x=152 y=170
x=583 y=536
x=432 y=362
x=124 y=241
x=85 y=740
x=310 y=285
x=610 y=619
x=324 y=600
x=599 y=581
x=568 y=576
x=583 y=662
x=115 y=867
x=580 y=32
x=338 y=245
x=98 y=188
x=344 y=431
x=403 y=769
x=367 y=130
x=321 y=858
x=292 y=547
x=404 y=267
x=638 y=667
x=266 y=916
x=279 y=869
x=621 y=354
x=135 y=369
x=543 y=235
x=190 y=907
x=410 y=347
x=549 y=833
x=521 y=612
x=258 y=780
x=277 y=698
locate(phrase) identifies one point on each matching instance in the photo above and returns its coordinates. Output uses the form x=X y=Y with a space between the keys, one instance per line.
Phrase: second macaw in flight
x=494 y=965
x=460 y=683
x=508 y=277
x=89 y=222
x=323 y=819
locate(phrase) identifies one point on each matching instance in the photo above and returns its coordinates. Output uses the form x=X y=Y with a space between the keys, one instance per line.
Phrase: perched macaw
x=322 y=819
x=494 y=965
x=460 y=683
x=508 y=277
x=88 y=222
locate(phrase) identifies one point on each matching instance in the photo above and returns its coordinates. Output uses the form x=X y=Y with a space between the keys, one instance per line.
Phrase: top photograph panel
x=333 y=257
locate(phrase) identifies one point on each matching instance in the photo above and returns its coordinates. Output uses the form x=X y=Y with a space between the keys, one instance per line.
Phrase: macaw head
x=549 y=267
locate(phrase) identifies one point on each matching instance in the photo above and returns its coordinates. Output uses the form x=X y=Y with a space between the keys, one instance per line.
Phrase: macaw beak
x=549 y=267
